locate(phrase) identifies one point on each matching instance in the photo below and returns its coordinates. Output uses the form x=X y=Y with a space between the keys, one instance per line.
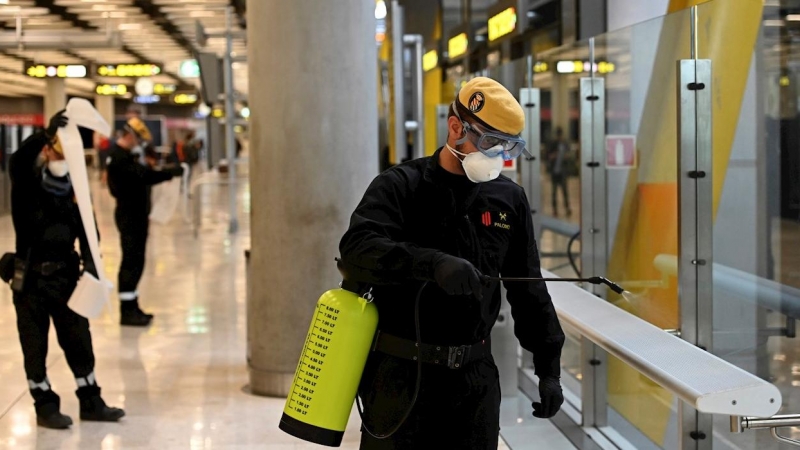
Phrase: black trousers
x=456 y=409
x=43 y=299
x=560 y=182
x=133 y=238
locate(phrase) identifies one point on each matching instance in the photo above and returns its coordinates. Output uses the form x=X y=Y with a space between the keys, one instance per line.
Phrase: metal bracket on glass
x=739 y=424
x=789 y=331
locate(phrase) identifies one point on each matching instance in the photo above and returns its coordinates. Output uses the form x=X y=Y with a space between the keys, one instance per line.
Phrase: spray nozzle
x=602 y=280
x=594 y=280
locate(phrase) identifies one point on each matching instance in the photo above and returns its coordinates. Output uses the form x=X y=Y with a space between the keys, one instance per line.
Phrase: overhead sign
x=146 y=99
x=184 y=99
x=56 y=71
x=430 y=60
x=189 y=69
x=128 y=70
x=36 y=120
x=161 y=88
x=502 y=24
x=621 y=151
x=111 y=89
x=457 y=46
x=602 y=67
x=541 y=67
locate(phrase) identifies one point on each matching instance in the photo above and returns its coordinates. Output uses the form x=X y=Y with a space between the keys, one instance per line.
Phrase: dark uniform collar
x=436 y=174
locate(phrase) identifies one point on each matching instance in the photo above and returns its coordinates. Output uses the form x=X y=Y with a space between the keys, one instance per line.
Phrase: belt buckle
x=456 y=355
x=48 y=268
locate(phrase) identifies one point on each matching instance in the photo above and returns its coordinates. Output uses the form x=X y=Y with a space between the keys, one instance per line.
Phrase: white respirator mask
x=479 y=167
x=59 y=168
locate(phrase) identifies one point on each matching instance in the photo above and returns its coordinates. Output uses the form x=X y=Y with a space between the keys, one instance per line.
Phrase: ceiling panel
x=139 y=32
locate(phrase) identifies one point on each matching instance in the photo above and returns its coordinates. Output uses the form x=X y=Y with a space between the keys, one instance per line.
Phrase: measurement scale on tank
x=313 y=358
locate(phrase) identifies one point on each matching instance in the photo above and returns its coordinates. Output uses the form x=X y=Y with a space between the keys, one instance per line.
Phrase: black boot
x=48 y=414
x=132 y=315
x=94 y=409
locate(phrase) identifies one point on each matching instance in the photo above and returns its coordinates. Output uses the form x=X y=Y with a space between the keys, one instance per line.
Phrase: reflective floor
x=181 y=381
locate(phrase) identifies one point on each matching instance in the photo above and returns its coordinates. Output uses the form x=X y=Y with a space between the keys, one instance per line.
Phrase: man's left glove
x=59 y=120
x=551 y=398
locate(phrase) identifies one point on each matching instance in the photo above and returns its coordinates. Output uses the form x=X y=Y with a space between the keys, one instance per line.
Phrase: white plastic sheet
x=165 y=200
x=166 y=197
x=92 y=293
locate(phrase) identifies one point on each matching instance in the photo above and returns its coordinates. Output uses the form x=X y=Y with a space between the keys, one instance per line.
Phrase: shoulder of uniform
x=404 y=174
x=504 y=182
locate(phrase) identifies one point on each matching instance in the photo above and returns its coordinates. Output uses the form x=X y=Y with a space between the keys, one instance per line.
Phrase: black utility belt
x=453 y=357
x=47 y=268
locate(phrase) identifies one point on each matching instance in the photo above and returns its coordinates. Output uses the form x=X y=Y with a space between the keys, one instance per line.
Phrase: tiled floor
x=181 y=380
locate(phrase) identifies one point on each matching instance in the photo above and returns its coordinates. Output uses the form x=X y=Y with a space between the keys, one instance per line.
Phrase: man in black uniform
x=47 y=223
x=426 y=222
x=129 y=180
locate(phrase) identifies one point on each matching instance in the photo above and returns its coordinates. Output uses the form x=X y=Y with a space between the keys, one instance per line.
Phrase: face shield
x=489 y=142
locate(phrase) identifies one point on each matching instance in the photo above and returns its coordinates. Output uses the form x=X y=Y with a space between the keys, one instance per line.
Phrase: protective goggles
x=491 y=143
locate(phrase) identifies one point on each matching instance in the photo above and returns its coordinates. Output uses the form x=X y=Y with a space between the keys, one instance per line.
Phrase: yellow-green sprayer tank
x=327 y=377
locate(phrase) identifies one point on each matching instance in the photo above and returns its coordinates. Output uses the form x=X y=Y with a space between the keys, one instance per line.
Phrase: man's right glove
x=59 y=120
x=551 y=398
x=176 y=171
x=458 y=276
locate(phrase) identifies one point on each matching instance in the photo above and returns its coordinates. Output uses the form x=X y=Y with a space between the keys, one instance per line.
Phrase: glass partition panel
x=639 y=66
x=560 y=155
x=756 y=136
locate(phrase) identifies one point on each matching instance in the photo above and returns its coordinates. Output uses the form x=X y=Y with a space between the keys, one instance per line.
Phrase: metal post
x=442 y=111
x=594 y=235
x=695 y=211
x=230 y=140
x=530 y=166
x=416 y=41
x=399 y=81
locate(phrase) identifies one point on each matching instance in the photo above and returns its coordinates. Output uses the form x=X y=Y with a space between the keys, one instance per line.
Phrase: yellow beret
x=140 y=128
x=491 y=102
x=55 y=143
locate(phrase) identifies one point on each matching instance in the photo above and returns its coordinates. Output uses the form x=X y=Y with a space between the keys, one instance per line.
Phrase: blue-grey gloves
x=551 y=398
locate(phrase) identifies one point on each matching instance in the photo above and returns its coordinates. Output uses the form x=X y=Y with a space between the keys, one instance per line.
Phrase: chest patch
x=495 y=220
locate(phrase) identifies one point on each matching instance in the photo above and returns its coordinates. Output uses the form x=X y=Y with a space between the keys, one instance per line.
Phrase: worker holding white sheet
x=45 y=271
x=130 y=181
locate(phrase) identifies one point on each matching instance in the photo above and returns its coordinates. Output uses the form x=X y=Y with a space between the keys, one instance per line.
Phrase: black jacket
x=46 y=225
x=130 y=182
x=416 y=210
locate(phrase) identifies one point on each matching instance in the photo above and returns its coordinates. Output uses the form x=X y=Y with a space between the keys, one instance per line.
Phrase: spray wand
x=594 y=280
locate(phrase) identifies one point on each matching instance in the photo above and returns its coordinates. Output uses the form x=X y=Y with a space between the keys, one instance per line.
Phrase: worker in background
x=129 y=180
x=45 y=271
x=559 y=163
x=450 y=220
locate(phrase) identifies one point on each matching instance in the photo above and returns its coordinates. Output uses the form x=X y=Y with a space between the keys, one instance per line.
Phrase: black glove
x=458 y=276
x=176 y=171
x=551 y=398
x=7 y=267
x=59 y=120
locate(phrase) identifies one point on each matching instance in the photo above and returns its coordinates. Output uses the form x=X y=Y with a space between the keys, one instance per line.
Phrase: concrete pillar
x=105 y=106
x=313 y=152
x=55 y=98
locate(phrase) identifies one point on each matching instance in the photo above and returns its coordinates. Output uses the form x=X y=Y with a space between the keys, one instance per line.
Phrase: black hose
x=594 y=280
x=569 y=253
x=419 y=378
